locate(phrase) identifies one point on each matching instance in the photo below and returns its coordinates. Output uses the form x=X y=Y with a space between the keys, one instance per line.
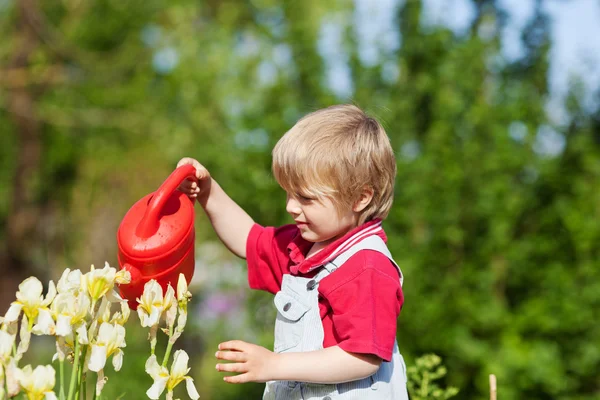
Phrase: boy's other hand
x=251 y=363
x=190 y=186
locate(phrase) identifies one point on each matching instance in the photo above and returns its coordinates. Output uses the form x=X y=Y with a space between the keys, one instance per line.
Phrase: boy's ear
x=364 y=200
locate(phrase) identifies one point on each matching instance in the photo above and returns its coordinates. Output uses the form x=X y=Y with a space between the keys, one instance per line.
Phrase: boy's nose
x=292 y=207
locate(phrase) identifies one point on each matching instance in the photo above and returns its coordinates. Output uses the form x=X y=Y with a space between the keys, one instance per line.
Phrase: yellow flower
x=169 y=380
x=45 y=323
x=37 y=383
x=100 y=282
x=71 y=311
x=30 y=300
x=69 y=282
x=183 y=295
x=152 y=304
x=110 y=340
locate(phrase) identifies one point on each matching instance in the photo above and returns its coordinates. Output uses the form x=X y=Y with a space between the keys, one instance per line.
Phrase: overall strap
x=373 y=242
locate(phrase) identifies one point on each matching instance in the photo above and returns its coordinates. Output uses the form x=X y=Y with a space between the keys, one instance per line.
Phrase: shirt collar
x=298 y=247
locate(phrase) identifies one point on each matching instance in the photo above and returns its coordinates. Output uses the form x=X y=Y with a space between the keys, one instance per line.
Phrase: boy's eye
x=304 y=198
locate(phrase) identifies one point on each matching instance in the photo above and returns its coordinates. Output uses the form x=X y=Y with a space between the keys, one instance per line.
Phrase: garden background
x=495 y=222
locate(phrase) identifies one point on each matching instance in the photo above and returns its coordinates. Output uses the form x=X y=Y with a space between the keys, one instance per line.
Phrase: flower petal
x=98 y=358
x=30 y=291
x=113 y=296
x=152 y=367
x=82 y=336
x=123 y=277
x=117 y=360
x=157 y=387
x=12 y=374
x=191 y=388
x=13 y=312
x=50 y=295
x=6 y=345
x=179 y=368
x=63 y=325
x=45 y=323
x=154 y=317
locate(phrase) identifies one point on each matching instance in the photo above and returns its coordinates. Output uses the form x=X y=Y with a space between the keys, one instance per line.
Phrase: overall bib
x=298 y=328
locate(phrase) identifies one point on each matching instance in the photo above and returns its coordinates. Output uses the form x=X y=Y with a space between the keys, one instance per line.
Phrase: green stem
x=62 y=379
x=169 y=347
x=74 y=371
x=96 y=395
x=84 y=388
x=80 y=374
x=5 y=387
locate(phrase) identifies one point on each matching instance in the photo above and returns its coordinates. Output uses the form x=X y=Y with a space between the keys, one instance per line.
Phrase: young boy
x=338 y=292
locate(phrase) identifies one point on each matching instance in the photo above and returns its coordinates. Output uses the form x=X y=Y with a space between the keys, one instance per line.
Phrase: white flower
x=120 y=317
x=37 y=383
x=71 y=311
x=45 y=323
x=25 y=338
x=6 y=345
x=30 y=300
x=12 y=383
x=110 y=340
x=69 y=282
x=163 y=379
x=104 y=311
x=183 y=295
x=100 y=282
x=152 y=304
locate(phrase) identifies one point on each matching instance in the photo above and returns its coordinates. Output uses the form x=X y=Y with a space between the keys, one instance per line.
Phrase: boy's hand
x=190 y=186
x=251 y=362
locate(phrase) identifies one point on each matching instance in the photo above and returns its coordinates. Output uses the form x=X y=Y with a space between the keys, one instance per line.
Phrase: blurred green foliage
x=422 y=376
x=495 y=217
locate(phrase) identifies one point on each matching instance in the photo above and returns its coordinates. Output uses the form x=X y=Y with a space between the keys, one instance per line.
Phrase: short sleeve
x=365 y=297
x=266 y=255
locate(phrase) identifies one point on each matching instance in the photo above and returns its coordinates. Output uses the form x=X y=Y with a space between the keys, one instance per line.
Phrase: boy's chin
x=309 y=236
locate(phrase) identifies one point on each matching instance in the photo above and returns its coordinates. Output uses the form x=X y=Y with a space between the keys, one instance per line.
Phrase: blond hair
x=337 y=152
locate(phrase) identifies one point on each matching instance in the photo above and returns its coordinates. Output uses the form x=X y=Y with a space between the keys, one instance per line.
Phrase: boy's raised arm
x=231 y=223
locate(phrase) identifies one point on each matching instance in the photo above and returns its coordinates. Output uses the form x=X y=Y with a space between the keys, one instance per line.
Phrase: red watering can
x=156 y=237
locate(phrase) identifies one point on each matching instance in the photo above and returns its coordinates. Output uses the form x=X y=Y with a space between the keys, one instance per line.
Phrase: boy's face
x=319 y=220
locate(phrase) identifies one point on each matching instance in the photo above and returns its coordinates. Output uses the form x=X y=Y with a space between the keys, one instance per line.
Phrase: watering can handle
x=150 y=221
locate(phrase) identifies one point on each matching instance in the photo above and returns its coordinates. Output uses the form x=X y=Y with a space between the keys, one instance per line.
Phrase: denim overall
x=298 y=328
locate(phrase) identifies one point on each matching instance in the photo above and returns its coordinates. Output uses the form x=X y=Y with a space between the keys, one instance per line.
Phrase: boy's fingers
x=201 y=172
x=238 y=345
x=189 y=186
x=184 y=161
x=232 y=356
x=243 y=378
x=233 y=367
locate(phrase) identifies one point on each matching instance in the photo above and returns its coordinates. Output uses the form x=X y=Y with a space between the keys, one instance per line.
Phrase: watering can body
x=156 y=238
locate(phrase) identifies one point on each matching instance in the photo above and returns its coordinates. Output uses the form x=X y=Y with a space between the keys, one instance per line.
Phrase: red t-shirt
x=359 y=303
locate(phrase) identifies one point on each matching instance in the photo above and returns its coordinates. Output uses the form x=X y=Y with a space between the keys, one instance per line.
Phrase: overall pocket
x=289 y=326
